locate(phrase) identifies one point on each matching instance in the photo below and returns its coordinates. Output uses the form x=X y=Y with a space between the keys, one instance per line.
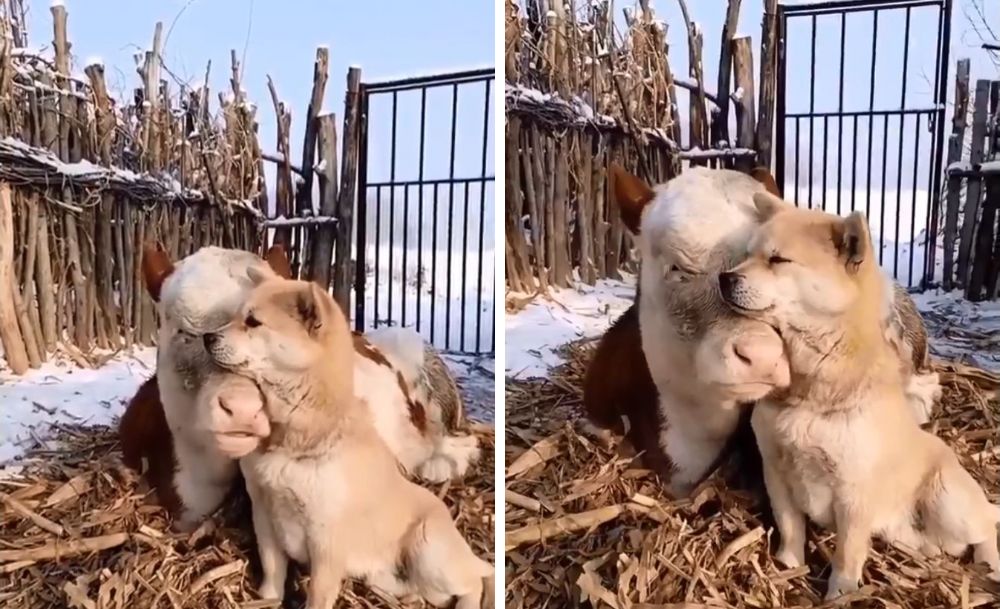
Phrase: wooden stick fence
x=578 y=99
x=86 y=181
x=971 y=241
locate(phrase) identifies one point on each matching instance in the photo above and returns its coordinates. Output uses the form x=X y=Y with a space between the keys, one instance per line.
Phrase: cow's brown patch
x=418 y=414
x=145 y=435
x=368 y=351
x=618 y=383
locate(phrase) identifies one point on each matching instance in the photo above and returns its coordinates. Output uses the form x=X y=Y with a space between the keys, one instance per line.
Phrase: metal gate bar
x=931 y=118
x=456 y=239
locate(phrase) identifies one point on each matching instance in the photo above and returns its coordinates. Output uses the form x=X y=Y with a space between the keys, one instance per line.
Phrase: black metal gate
x=882 y=139
x=425 y=209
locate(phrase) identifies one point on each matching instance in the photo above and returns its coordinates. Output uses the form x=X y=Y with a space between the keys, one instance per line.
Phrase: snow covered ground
x=60 y=393
x=535 y=333
x=959 y=330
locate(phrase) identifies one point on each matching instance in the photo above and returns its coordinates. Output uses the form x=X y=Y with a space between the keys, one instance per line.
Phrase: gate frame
x=936 y=115
x=365 y=91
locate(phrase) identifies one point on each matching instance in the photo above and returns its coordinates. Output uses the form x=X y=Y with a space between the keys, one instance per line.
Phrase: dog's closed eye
x=776 y=259
x=252 y=322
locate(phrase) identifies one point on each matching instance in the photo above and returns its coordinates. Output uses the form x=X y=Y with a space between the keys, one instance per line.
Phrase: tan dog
x=841 y=446
x=326 y=490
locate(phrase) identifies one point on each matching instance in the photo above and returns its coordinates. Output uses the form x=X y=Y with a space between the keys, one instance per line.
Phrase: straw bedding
x=585 y=522
x=77 y=530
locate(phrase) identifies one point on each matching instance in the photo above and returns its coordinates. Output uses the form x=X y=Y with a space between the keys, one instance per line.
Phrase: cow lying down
x=676 y=370
x=187 y=453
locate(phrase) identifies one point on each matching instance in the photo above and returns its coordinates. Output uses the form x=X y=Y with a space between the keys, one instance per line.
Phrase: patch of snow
x=58 y=3
x=738 y=94
x=476 y=380
x=61 y=393
x=534 y=334
x=94 y=61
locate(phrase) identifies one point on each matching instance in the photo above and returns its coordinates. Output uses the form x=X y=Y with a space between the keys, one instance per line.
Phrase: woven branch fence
x=86 y=181
x=579 y=97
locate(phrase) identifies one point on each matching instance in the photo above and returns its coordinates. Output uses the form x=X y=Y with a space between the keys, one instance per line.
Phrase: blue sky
x=388 y=40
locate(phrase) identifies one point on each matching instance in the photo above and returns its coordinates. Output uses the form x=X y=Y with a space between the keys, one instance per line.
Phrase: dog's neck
x=854 y=340
x=321 y=409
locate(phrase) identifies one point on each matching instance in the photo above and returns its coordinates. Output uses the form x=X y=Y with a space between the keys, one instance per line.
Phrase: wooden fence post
x=323 y=235
x=768 y=82
x=955 y=143
x=973 y=191
x=745 y=94
x=348 y=187
x=10 y=334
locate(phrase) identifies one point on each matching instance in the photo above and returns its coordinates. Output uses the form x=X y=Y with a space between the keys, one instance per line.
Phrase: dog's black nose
x=210 y=339
x=727 y=282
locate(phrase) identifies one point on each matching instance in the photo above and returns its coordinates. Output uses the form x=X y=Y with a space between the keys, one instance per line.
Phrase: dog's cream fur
x=841 y=445
x=326 y=490
x=203 y=292
x=704 y=360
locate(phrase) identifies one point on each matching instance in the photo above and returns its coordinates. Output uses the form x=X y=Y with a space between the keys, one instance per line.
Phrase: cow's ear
x=277 y=259
x=631 y=194
x=156 y=267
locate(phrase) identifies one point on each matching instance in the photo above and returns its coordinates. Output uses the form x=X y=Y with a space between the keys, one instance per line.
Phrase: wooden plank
x=973 y=192
x=953 y=199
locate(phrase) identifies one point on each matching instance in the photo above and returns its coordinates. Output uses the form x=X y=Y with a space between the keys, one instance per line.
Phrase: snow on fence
x=578 y=99
x=971 y=240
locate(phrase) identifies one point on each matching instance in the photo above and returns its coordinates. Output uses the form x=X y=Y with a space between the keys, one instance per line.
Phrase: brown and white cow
x=675 y=370
x=186 y=452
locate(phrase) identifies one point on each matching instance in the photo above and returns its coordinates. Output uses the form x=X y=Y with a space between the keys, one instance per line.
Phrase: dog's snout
x=727 y=282
x=210 y=339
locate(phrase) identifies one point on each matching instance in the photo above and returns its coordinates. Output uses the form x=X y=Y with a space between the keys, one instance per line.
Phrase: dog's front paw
x=270 y=590
x=790 y=557
x=839 y=585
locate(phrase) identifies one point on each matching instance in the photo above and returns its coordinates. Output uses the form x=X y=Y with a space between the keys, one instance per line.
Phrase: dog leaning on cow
x=702 y=362
x=186 y=452
x=685 y=348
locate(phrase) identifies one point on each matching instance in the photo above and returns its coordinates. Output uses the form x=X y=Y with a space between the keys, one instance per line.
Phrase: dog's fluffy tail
x=451 y=458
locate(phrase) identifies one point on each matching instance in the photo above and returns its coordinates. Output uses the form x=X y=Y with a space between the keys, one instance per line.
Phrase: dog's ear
x=853 y=240
x=631 y=194
x=156 y=267
x=277 y=259
x=768 y=205
x=763 y=175
x=312 y=306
